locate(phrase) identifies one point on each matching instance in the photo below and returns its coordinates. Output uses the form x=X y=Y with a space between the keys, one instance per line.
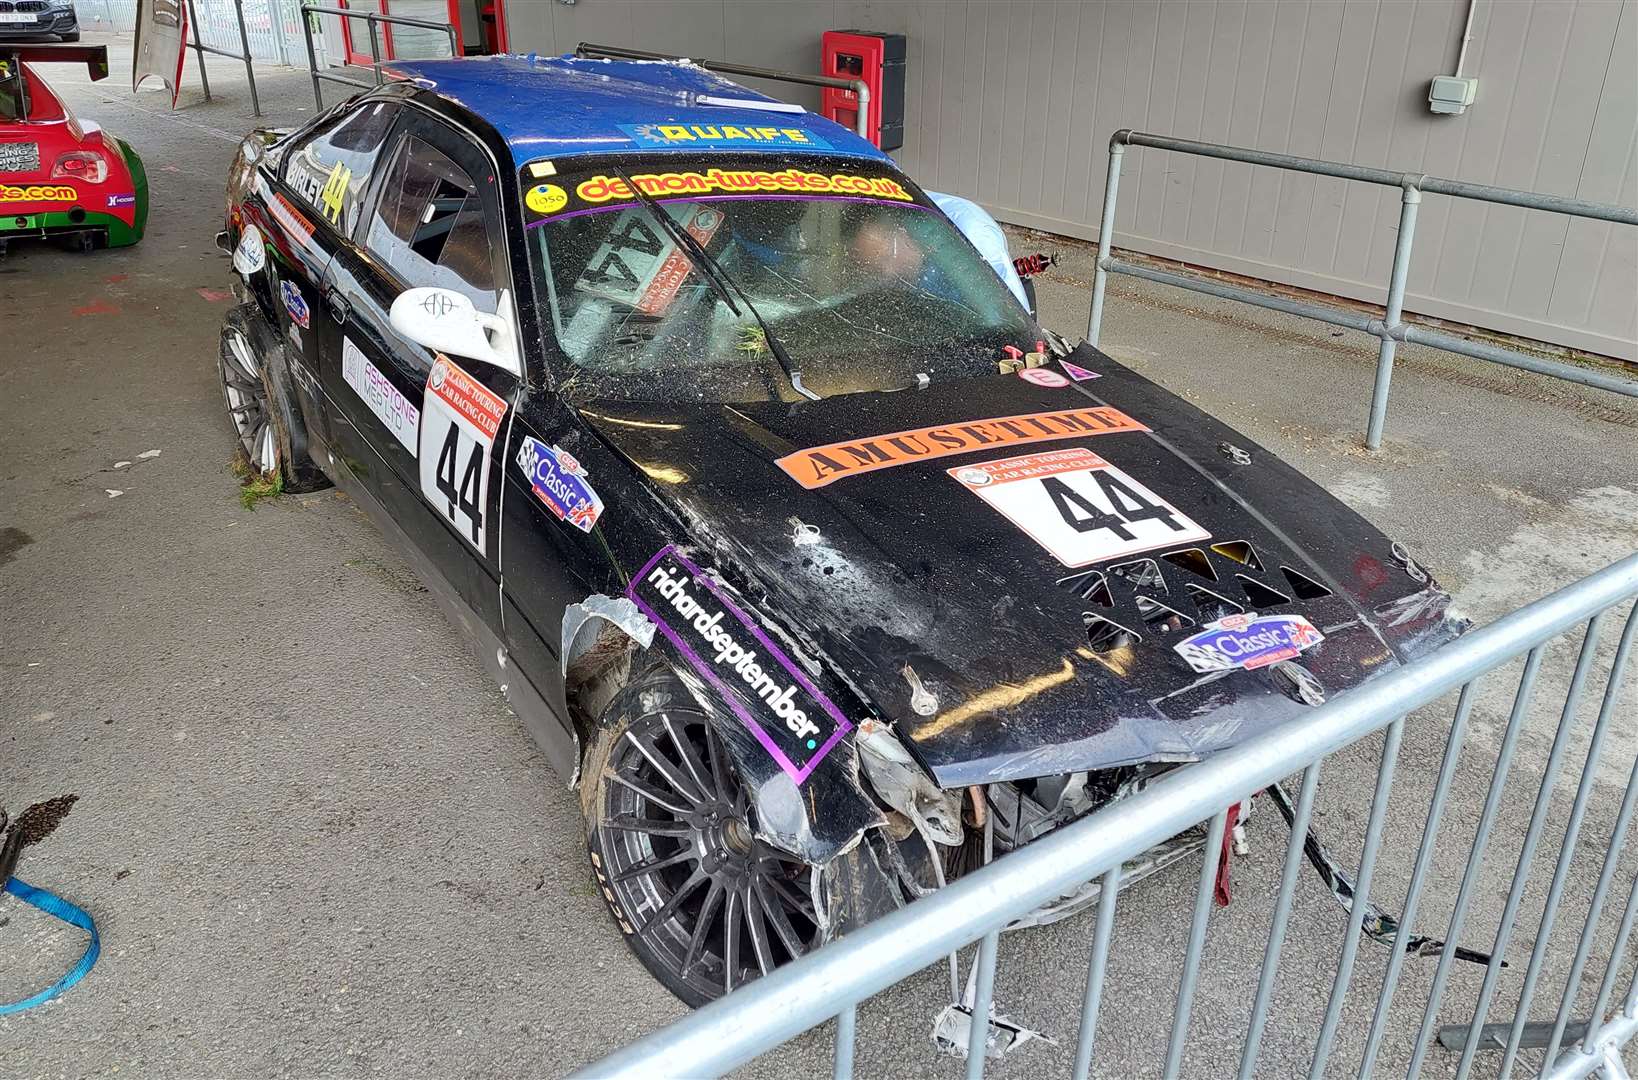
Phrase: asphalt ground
x=317 y=842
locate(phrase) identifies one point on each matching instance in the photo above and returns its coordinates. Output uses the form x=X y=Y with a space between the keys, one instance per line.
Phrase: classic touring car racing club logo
x=792 y=720
x=560 y=482
x=1248 y=641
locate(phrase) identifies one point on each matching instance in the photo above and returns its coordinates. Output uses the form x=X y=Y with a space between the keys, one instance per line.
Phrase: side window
x=429 y=226
x=330 y=167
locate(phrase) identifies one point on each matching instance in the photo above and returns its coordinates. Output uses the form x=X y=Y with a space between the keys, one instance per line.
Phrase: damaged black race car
x=818 y=567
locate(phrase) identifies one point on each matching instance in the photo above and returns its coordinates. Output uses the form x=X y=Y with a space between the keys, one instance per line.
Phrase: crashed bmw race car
x=819 y=568
x=60 y=176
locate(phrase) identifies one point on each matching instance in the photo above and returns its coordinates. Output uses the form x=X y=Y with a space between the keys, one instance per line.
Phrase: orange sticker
x=821 y=465
x=291 y=218
x=471 y=399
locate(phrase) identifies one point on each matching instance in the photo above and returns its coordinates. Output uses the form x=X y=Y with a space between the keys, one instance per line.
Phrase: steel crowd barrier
x=1391 y=327
x=832 y=981
x=373 y=19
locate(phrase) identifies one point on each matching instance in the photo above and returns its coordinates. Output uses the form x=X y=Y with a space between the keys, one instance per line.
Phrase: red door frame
x=452 y=7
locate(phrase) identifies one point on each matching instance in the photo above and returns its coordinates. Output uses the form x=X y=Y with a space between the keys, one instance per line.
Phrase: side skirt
x=550 y=730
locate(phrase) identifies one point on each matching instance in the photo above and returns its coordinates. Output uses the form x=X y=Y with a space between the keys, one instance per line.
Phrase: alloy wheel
x=247 y=402
x=708 y=900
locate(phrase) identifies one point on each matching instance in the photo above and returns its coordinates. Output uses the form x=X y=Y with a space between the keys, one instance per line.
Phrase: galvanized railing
x=1391 y=327
x=857 y=87
x=831 y=982
x=374 y=20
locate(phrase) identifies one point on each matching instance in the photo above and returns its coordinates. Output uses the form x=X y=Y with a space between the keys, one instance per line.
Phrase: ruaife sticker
x=1248 y=641
x=718 y=136
x=560 y=482
x=821 y=465
x=773 y=697
x=460 y=417
x=1079 y=507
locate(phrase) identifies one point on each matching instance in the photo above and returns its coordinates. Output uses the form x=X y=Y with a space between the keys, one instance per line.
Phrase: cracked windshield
x=717 y=283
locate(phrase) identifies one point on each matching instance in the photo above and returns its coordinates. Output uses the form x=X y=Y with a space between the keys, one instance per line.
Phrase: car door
x=322 y=181
x=423 y=431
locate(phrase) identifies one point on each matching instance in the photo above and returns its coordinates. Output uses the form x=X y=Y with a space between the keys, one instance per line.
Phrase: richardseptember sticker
x=560 y=482
x=1248 y=641
x=777 y=702
x=1078 y=506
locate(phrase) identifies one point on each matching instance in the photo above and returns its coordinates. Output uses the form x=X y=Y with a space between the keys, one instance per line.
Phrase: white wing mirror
x=445 y=321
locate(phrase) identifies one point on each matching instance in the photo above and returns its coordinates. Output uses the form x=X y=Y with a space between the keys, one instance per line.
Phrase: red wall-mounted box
x=878 y=59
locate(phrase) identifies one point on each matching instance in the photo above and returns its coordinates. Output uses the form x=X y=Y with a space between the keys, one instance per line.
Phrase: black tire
x=704 y=904
x=255 y=379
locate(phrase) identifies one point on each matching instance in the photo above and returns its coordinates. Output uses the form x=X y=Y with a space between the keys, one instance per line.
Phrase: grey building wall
x=1013 y=103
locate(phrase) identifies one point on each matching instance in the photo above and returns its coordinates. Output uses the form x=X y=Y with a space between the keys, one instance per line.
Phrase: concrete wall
x=1013 y=104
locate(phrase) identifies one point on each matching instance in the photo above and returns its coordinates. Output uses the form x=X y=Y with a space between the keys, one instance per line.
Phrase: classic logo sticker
x=1079 y=507
x=602 y=189
x=1248 y=641
x=390 y=406
x=560 y=482
x=773 y=697
x=459 y=420
x=1076 y=372
x=294 y=304
x=821 y=465
x=546 y=198
x=37 y=193
x=658 y=136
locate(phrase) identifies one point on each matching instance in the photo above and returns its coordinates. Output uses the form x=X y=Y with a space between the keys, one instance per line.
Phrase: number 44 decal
x=1078 y=506
x=468 y=497
x=459 y=422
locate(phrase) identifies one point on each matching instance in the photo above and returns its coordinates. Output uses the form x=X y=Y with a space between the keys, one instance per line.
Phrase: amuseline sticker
x=774 y=698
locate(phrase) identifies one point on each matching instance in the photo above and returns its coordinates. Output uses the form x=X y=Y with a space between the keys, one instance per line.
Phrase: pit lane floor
x=317 y=842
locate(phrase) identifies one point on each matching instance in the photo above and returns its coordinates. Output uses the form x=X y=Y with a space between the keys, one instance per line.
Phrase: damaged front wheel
x=704 y=903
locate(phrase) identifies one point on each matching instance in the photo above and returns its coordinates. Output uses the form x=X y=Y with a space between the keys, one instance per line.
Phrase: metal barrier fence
x=374 y=20
x=1391 y=328
x=858 y=87
x=272 y=27
x=832 y=981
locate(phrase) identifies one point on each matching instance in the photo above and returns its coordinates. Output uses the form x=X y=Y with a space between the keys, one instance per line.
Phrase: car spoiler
x=94 y=57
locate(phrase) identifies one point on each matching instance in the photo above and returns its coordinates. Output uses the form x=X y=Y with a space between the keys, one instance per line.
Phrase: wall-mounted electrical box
x=1451 y=94
x=878 y=59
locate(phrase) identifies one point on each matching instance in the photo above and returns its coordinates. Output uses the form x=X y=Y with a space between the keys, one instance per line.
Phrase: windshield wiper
x=719 y=280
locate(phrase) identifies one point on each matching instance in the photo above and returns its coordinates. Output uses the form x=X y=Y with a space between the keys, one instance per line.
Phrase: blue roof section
x=560 y=106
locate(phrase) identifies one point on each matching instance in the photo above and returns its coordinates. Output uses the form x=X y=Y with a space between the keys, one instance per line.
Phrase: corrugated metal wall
x=1013 y=104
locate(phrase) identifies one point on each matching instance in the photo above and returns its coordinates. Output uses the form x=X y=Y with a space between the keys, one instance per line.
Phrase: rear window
x=330 y=167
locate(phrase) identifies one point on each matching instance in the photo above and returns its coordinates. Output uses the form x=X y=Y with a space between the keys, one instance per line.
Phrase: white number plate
x=638 y=266
x=1079 y=507
x=459 y=420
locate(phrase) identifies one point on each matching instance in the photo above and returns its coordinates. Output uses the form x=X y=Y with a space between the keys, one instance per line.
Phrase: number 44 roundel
x=1078 y=506
x=458 y=426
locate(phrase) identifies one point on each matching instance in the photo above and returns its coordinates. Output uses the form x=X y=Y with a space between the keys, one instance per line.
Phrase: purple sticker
x=792 y=720
x=1076 y=372
x=121 y=200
